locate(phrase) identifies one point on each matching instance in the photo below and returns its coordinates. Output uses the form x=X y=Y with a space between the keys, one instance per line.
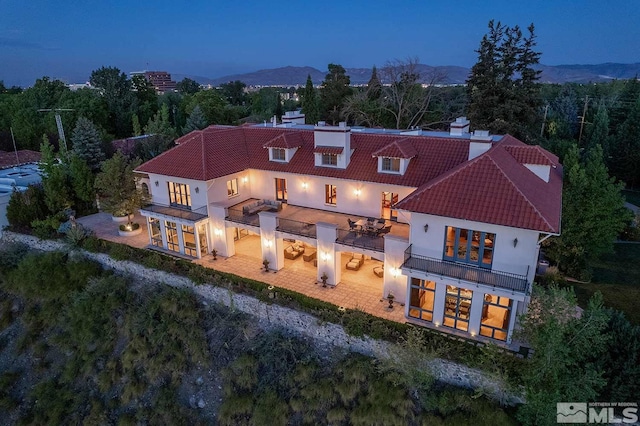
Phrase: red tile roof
x=328 y=150
x=493 y=188
x=8 y=158
x=530 y=154
x=285 y=140
x=401 y=148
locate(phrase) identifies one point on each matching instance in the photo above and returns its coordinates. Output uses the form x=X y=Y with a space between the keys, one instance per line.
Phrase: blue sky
x=67 y=39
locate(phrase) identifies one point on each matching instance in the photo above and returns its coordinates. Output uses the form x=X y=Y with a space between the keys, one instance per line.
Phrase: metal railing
x=505 y=280
x=238 y=216
x=359 y=239
x=297 y=227
x=182 y=212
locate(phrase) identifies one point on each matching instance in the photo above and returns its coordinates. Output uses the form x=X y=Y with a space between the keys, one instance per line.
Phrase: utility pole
x=544 y=119
x=584 y=112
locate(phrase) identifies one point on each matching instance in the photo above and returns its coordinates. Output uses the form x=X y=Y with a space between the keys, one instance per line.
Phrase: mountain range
x=292 y=76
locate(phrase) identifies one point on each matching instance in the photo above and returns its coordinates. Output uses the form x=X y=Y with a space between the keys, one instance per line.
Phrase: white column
x=272 y=247
x=163 y=233
x=475 y=315
x=438 y=303
x=328 y=261
x=221 y=238
x=394 y=282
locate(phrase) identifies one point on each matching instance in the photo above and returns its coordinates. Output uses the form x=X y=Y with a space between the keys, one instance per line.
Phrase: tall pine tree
x=196 y=120
x=310 y=103
x=87 y=143
x=335 y=88
x=502 y=89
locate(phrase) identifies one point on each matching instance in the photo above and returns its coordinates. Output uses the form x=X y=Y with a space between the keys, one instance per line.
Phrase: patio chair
x=385 y=230
x=352 y=224
x=378 y=271
x=355 y=262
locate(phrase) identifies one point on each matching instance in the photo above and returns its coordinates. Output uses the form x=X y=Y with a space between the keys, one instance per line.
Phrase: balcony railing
x=296 y=227
x=360 y=240
x=238 y=216
x=493 y=278
x=177 y=211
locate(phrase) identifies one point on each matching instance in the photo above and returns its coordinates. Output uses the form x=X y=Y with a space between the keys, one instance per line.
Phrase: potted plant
x=119 y=192
x=324 y=279
x=390 y=298
x=214 y=252
x=266 y=265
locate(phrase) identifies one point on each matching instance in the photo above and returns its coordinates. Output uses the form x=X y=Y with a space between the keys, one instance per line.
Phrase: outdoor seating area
x=262 y=205
x=355 y=262
x=369 y=226
x=293 y=251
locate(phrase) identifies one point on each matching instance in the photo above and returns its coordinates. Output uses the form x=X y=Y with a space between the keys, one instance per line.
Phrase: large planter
x=121 y=219
x=136 y=230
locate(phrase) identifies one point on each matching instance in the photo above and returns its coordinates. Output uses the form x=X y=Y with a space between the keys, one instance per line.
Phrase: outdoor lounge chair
x=355 y=262
x=378 y=271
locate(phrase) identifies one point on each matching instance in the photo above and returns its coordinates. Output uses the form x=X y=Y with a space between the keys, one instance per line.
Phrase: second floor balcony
x=178 y=212
x=488 y=277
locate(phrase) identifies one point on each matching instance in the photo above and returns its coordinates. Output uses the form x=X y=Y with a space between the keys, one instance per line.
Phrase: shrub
x=11 y=254
x=26 y=207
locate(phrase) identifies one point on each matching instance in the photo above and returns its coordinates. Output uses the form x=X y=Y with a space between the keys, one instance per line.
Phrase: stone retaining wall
x=272 y=316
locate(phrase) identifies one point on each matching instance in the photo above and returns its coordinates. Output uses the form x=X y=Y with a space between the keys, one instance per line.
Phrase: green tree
x=27 y=206
x=278 y=111
x=115 y=89
x=196 y=120
x=161 y=135
x=593 y=213
x=57 y=194
x=625 y=148
x=188 y=86
x=599 y=132
x=502 y=89
x=118 y=187
x=87 y=143
x=310 y=106
x=566 y=349
x=212 y=104
x=82 y=183
x=374 y=86
x=233 y=92
x=135 y=121
x=335 y=89
x=145 y=97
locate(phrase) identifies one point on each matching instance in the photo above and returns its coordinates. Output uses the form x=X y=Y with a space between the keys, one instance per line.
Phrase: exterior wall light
x=197 y=189
x=515 y=242
x=437 y=324
x=157 y=183
x=245 y=179
x=473 y=334
x=217 y=231
x=305 y=185
x=324 y=256
x=395 y=272
x=268 y=243
x=357 y=192
x=426 y=227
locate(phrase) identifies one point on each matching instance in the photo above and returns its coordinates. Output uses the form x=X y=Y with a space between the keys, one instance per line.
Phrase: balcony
x=237 y=215
x=304 y=229
x=184 y=213
x=360 y=240
x=492 y=278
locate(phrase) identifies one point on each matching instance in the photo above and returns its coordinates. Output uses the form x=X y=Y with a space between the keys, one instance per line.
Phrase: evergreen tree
x=137 y=129
x=374 y=86
x=87 y=143
x=335 y=88
x=599 y=133
x=502 y=88
x=161 y=135
x=196 y=120
x=593 y=213
x=278 y=110
x=625 y=149
x=57 y=194
x=117 y=185
x=82 y=181
x=310 y=103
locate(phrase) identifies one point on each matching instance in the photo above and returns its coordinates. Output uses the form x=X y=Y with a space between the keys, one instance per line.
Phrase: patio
x=357 y=289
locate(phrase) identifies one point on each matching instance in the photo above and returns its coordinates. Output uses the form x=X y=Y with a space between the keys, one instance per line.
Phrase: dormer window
x=278 y=154
x=390 y=165
x=329 y=159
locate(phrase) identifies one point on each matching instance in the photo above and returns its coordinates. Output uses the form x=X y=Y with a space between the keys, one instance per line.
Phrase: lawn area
x=632 y=197
x=617 y=277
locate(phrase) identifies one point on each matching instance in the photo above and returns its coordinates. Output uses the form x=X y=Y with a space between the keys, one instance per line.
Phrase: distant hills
x=291 y=76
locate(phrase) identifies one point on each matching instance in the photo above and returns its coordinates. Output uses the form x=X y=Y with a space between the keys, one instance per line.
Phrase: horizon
x=66 y=40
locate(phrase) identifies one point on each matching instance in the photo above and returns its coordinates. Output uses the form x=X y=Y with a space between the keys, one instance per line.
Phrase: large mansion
x=453 y=220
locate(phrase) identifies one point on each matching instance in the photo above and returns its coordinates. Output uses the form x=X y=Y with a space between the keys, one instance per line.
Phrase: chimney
x=480 y=143
x=459 y=127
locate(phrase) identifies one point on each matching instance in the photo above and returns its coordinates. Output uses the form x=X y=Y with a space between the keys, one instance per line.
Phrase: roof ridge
x=517 y=188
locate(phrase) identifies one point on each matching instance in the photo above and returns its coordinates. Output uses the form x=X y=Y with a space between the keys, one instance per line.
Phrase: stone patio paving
x=357 y=290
